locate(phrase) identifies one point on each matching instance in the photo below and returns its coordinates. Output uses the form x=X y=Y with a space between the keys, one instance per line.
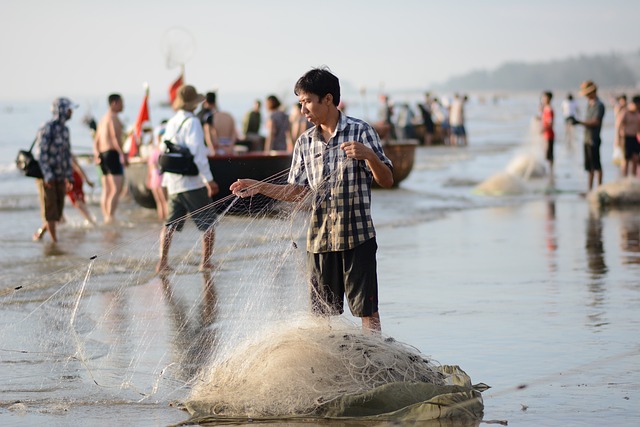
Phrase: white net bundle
x=298 y=369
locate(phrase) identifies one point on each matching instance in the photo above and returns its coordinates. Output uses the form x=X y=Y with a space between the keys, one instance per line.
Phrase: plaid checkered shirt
x=341 y=187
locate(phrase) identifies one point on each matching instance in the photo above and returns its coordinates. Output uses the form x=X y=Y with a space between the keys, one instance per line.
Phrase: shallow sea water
x=536 y=295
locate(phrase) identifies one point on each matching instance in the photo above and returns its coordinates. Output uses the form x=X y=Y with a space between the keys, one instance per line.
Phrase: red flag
x=143 y=116
x=173 y=89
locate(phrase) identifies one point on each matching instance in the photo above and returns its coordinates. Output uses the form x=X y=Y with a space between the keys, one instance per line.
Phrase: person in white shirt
x=570 y=113
x=188 y=194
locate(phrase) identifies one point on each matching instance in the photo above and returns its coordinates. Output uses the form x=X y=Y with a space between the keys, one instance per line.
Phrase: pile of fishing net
x=320 y=370
x=502 y=184
x=617 y=193
x=527 y=166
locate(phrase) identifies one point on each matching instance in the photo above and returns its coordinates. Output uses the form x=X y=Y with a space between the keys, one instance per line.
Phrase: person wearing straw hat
x=335 y=161
x=188 y=194
x=592 y=126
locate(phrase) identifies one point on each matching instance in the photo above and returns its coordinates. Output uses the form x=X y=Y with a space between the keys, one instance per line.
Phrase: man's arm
x=381 y=172
x=286 y=192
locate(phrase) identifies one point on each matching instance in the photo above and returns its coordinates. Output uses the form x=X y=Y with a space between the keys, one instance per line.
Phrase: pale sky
x=81 y=48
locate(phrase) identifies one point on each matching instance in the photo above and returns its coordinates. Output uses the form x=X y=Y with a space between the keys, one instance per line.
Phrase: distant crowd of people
x=626 y=147
x=442 y=118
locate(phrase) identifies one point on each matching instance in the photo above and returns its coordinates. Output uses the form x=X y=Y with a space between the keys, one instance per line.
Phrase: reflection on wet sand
x=595 y=247
x=551 y=237
x=630 y=237
x=193 y=336
x=597 y=268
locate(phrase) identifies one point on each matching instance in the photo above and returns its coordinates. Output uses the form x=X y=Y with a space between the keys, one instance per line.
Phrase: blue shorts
x=458 y=130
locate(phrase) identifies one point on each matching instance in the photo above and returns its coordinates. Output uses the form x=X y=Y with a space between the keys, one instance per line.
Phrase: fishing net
x=233 y=342
x=329 y=369
x=178 y=46
x=502 y=184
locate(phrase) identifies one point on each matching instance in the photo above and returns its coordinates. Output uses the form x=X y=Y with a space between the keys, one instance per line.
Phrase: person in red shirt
x=546 y=119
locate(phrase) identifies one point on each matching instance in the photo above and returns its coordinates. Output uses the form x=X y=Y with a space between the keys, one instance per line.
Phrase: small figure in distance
x=546 y=127
x=278 y=127
x=592 y=125
x=251 y=123
x=225 y=127
x=629 y=127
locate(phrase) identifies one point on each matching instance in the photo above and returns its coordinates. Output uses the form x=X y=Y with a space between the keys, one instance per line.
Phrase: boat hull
x=402 y=154
x=225 y=169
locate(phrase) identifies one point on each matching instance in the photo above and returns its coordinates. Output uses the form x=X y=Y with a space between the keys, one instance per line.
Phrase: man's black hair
x=210 y=97
x=319 y=81
x=274 y=101
x=114 y=97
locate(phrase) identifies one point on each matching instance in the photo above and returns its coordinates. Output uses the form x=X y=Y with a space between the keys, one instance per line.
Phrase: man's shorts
x=592 y=157
x=631 y=147
x=549 y=155
x=459 y=130
x=352 y=273
x=110 y=163
x=51 y=200
x=192 y=202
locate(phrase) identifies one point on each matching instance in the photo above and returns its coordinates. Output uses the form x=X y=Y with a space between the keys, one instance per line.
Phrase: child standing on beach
x=76 y=194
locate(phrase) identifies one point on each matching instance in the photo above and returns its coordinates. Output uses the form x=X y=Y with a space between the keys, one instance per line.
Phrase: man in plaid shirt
x=336 y=160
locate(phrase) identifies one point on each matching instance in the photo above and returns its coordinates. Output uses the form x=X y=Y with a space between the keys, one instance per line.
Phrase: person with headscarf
x=53 y=153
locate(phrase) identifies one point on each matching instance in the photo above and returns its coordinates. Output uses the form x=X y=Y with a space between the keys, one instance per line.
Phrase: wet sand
x=538 y=299
x=537 y=296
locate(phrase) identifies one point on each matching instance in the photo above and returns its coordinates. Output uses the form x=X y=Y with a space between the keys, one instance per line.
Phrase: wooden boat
x=226 y=169
x=402 y=153
x=260 y=166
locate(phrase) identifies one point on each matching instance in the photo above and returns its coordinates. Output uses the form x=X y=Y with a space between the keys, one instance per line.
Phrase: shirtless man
x=628 y=123
x=107 y=150
x=225 y=127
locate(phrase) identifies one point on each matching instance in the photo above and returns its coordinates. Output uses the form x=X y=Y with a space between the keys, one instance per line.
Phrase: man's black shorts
x=352 y=273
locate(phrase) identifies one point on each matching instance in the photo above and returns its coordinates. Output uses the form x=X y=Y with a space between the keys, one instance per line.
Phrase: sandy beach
x=536 y=295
